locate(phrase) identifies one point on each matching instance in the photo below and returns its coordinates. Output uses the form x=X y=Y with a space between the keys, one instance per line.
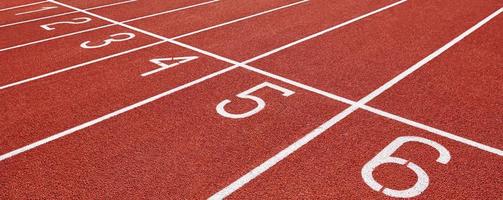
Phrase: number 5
x=246 y=95
x=385 y=157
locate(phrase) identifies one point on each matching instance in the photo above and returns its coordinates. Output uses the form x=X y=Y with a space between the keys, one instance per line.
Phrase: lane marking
x=433 y=130
x=39 y=10
x=170 y=11
x=66 y=13
x=322 y=128
x=24 y=5
x=100 y=27
x=240 y=19
x=8 y=85
x=163 y=66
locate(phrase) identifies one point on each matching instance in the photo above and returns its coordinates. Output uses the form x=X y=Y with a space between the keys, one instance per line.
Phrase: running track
x=239 y=99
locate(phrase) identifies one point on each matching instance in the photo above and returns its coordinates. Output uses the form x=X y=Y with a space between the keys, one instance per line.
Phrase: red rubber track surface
x=88 y=123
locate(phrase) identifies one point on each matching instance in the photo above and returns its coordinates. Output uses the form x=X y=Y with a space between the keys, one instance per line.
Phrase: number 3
x=246 y=95
x=106 y=42
x=385 y=157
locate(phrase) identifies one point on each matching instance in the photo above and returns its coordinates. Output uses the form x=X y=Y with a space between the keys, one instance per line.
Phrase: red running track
x=80 y=122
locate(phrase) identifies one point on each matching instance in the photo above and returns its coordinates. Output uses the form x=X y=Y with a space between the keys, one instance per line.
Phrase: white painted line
x=39 y=10
x=2 y=87
x=20 y=6
x=66 y=13
x=329 y=30
x=54 y=38
x=240 y=19
x=110 y=115
x=319 y=130
x=433 y=130
x=100 y=27
x=76 y=66
x=171 y=11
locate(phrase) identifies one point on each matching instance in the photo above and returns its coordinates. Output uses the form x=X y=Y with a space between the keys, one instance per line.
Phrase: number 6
x=385 y=157
x=246 y=95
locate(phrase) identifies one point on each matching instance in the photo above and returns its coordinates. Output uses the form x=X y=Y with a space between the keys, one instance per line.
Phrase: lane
x=89 y=4
x=136 y=9
x=47 y=28
x=176 y=146
x=331 y=166
x=275 y=29
x=458 y=92
x=19 y=64
x=171 y=25
x=355 y=59
x=35 y=111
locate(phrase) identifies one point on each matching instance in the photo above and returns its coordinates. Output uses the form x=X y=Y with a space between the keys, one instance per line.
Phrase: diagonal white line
x=20 y=6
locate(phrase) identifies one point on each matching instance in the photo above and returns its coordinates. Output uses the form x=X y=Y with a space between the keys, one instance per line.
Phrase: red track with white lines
x=241 y=99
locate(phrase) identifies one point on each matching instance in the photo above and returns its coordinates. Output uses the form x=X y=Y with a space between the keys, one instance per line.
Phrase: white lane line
x=20 y=6
x=171 y=11
x=321 y=129
x=433 y=130
x=77 y=66
x=38 y=10
x=66 y=13
x=330 y=29
x=8 y=85
x=110 y=115
x=240 y=19
x=104 y=26
x=56 y=37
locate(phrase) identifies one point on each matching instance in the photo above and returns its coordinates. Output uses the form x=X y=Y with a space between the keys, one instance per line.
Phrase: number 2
x=385 y=157
x=247 y=95
x=106 y=42
x=78 y=20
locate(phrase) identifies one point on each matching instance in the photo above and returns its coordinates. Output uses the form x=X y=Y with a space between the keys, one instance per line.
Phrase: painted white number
x=114 y=38
x=246 y=95
x=41 y=9
x=164 y=66
x=385 y=157
x=78 y=20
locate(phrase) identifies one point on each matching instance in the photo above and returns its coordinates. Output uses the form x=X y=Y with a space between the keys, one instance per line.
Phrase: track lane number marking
x=384 y=157
x=78 y=20
x=247 y=95
x=118 y=37
x=163 y=65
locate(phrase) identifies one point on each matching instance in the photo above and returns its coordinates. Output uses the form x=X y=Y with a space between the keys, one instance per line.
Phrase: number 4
x=247 y=95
